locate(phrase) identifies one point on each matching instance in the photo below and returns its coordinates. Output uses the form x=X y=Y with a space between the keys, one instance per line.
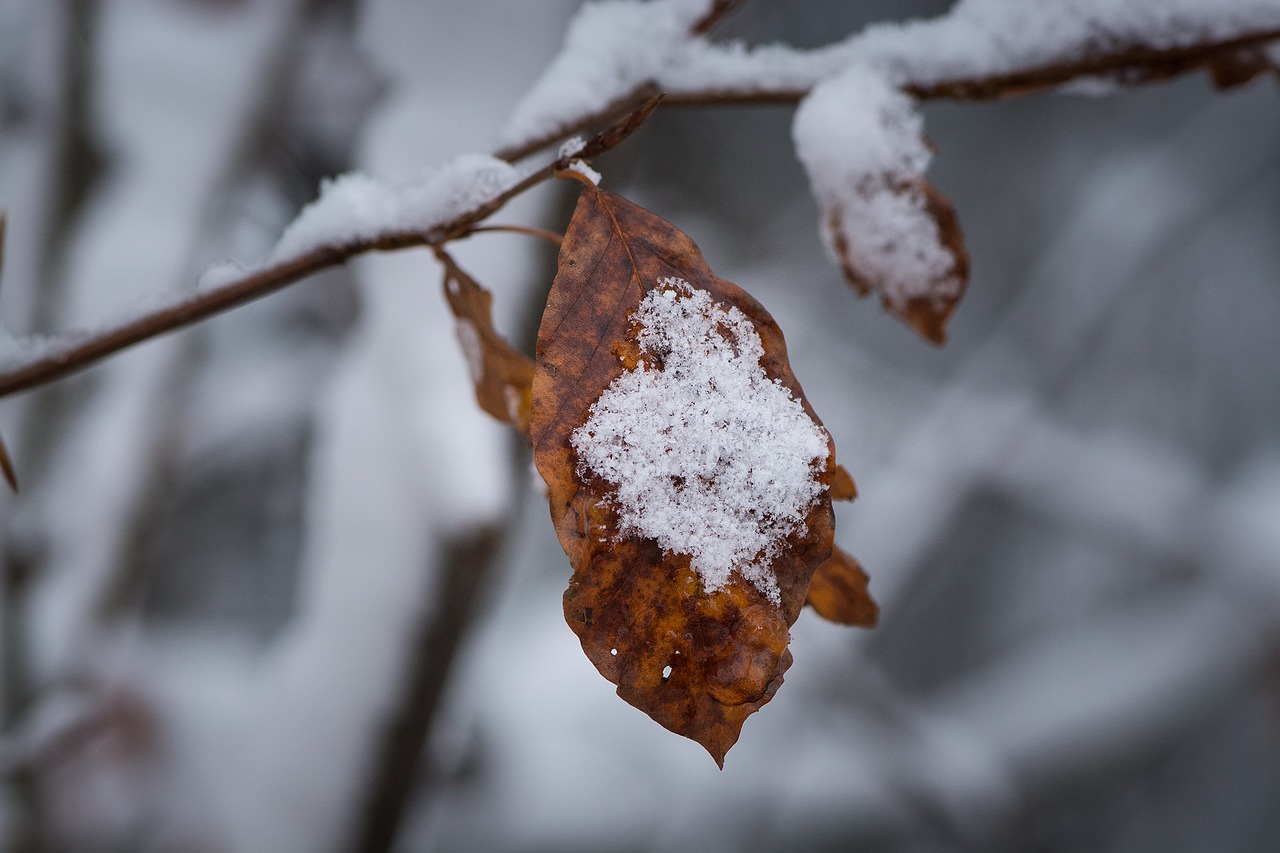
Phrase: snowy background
x=225 y=577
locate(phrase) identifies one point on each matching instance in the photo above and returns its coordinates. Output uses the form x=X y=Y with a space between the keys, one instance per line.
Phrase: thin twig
x=541 y=233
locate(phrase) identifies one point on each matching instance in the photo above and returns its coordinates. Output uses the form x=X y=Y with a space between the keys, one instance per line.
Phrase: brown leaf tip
x=707 y=454
x=839 y=592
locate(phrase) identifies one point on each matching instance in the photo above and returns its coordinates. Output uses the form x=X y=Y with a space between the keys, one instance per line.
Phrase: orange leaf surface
x=502 y=374
x=689 y=563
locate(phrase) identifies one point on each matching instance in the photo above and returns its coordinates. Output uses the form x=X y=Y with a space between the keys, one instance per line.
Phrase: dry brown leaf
x=695 y=658
x=501 y=373
x=839 y=592
x=927 y=314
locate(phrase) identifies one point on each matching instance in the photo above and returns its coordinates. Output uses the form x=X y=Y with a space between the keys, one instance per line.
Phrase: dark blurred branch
x=398 y=760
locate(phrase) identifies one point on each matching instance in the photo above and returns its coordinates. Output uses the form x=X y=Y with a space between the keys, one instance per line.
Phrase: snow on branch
x=856 y=132
x=617 y=53
x=888 y=229
x=621 y=53
x=356 y=208
x=355 y=214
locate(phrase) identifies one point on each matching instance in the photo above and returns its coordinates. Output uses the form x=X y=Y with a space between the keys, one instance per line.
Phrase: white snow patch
x=572 y=146
x=610 y=48
x=581 y=167
x=711 y=457
x=220 y=275
x=983 y=38
x=355 y=206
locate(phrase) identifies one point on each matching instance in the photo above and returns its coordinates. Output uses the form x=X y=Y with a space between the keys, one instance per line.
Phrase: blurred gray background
x=228 y=576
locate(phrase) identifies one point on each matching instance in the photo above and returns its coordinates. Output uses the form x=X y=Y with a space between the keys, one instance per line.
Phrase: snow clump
x=710 y=456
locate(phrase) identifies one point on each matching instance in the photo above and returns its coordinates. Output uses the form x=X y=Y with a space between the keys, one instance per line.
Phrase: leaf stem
x=540 y=233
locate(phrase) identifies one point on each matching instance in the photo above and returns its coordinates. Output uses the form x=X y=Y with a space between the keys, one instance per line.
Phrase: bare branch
x=529 y=231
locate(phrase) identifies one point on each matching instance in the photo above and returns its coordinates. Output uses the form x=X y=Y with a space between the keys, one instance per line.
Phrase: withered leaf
x=925 y=305
x=502 y=374
x=698 y=656
x=839 y=592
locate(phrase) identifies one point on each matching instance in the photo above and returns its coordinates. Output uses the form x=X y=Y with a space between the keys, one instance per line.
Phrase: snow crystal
x=581 y=167
x=355 y=206
x=711 y=458
x=572 y=146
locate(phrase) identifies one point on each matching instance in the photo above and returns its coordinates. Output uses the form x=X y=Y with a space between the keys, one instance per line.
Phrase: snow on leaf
x=710 y=457
x=653 y=382
x=891 y=232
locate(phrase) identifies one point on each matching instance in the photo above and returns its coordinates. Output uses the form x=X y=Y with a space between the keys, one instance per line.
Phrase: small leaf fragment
x=502 y=374
x=692 y=634
x=839 y=592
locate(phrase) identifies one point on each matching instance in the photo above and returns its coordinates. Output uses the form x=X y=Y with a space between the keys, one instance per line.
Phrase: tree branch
x=84 y=349
x=1232 y=61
